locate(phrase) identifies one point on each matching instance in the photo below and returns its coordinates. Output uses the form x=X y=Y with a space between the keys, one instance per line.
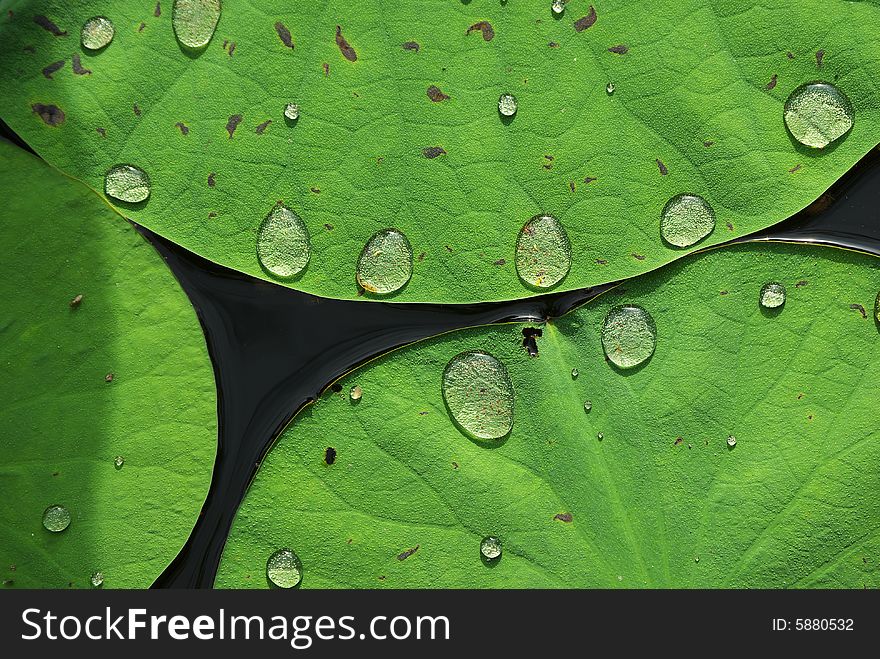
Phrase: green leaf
x=792 y=504
x=63 y=422
x=690 y=92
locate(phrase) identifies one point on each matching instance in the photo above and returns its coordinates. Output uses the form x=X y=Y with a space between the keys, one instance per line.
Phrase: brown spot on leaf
x=108 y=377
x=820 y=55
x=722 y=292
x=344 y=47
x=485 y=27
x=137 y=109
x=78 y=67
x=663 y=170
x=76 y=301
x=411 y=45
x=212 y=179
x=330 y=455
x=231 y=48
x=45 y=23
x=553 y=44
x=860 y=309
x=421 y=257
x=499 y=262
x=619 y=49
x=431 y=152
x=435 y=94
x=589 y=179
x=406 y=554
x=563 y=517
x=801 y=283
x=101 y=131
x=314 y=190
x=141 y=27
x=772 y=83
x=212 y=215
x=638 y=257
x=232 y=124
x=729 y=226
x=583 y=23
x=794 y=169
x=601 y=261
x=284 y=34
x=571 y=186
x=52 y=115
x=326 y=68
x=262 y=127
x=707 y=144
x=184 y=129
x=52 y=68
x=157 y=12
x=678 y=441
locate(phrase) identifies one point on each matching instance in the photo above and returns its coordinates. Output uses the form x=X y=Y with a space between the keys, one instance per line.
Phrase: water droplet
x=686 y=219
x=118 y=461
x=386 y=262
x=356 y=392
x=97 y=579
x=574 y=374
x=507 y=105
x=291 y=111
x=558 y=6
x=127 y=183
x=772 y=295
x=818 y=113
x=97 y=32
x=600 y=436
x=194 y=21
x=609 y=88
x=731 y=441
x=877 y=307
x=283 y=569
x=283 y=244
x=479 y=394
x=588 y=405
x=490 y=548
x=543 y=252
x=56 y=518
x=629 y=335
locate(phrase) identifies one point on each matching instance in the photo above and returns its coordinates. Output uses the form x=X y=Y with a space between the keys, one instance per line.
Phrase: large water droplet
x=490 y=548
x=356 y=393
x=731 y=441
x=479 y=394
x=686 y=219
x=543 y=252
x=97 y=579
x=97 y=32
x=291 y=111
x=609 y=88
x=772 y=295
x=127 y=183
x=628 y=335
x=194 y=21
x=558 y=6
x=818 y=113
x=283 y=244
x=574 y=374
x=118 y=461
x=56 y=518
x=588 y=406
x=507 y=105
x=386 y=262
x=283 y=569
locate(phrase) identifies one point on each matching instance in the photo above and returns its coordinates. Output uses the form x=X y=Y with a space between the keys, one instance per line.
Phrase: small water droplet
x=386 y=262
x=772 y=295
x=97 y=32
x=574 y=374
x=194 y=21
x=97 y=579
x=283 y=569
x=600 y=436
x=686 y=219
x=283 y=243
x=588 y=405
x=629 y=335
x=696 y=559
x=118 y=461
x=479 y=394
x=507 y=105
x=543 y=252
x=56 y=518
x=818 y=113
x=558 y=6
x=127 y=183
x=490 y=548
x=356 y=393
x=731 y=441
x=609 y=88
x=291 y=111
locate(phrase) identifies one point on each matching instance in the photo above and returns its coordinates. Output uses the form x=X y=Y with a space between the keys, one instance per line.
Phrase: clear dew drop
x=543 y=252
x=600 y=436
x=386 y=262
x=558 y=6
x=283 y=569
x=818 y=113
x=609 y=88
x=283 y=243
x=56 y=518
x=194 y=21
x=355 y=393
x=731 y=441
x=127 y=183
x=772 y=295
x=97 y=579
x=291 y=111
x=686 y=219
x=574 y=374
x=118 y=461
x=490 y=548
x=629 y=335
x=479 y=394
x=588 y=406
x=97 y=32
x=507 y=105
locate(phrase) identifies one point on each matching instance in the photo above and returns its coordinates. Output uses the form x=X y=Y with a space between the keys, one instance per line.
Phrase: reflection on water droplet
x=194 y=21
x=558 y=6
x=127 y=183
x=96 y=32
x=56 y=518
x=686 y=219
x=628 y=335
x=731 y=441
x=600 y=436
x=356 y=393
x=386 y=262
x=490 y=548
x=283 y=244
x=588 y=405
x=574 y=374
x=507 y=105
x=97 y=579
x=609 y=88
x=291 y=111
x=479 y=394
x=818 y=113
x=772 y=295
x=118 y=461
x=543 y=252
x=283 y=569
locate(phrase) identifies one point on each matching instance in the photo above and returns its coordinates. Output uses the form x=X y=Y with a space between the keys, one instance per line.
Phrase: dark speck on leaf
x=431 y=152
x=136 y=109
x=328 y=226
x=231 y=48
x=284 y=34
x=722 y=292
x=52 y=115
x=820 y=55
x=662 y=167
x=52 y=68
x=729 y=226
x=30 y=49
x=262 y=127
x=638 y=257
x=78 y=67
x=421 y=257
x=571 y=186
x=314 y=190
x=212 y=215
x=707 y=144
x=678 y=441
x=529 y=342
x=344 y=47
x=582 y=24
x=101 y=131
x=563 y=517
x=589 y=179
x=49 y=26
x=211 y=181
x=326 y=68
x=184 y=129
x=485 y=27
x=157 y=12
x=330 y=455
x=435 y=94
x=794 y=169
x=232 y=124
x=499 y=262
x=409 y=552
x=448 y=248
x=411 y=45
x=619 y=50
x=601 y=262
x=454 y=464
x=141 y=27
x=801 y=283
x=553 y=44
x=76 y=301
x=860 y=309
x=772 y=83
x=789 y=55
